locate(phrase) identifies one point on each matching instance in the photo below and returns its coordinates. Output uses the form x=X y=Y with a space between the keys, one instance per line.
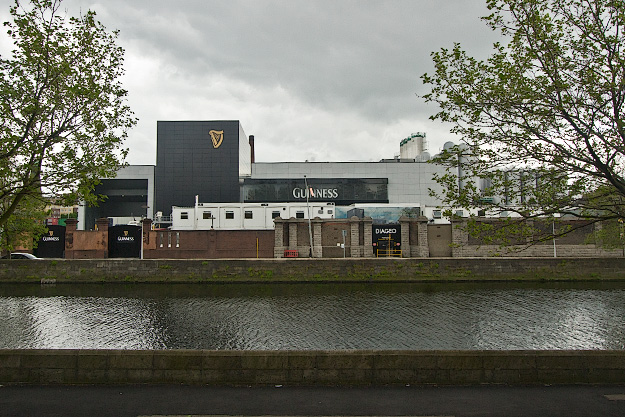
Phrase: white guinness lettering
x=125 y=239
x=385 y=231
x=50 y=238
x=329 y=193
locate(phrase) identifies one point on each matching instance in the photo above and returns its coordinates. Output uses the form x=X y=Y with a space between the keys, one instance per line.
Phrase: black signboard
x=124 y=241
x=386 y=236
x=52 y=243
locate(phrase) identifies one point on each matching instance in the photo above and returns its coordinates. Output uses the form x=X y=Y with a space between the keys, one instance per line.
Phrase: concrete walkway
x=168 y=400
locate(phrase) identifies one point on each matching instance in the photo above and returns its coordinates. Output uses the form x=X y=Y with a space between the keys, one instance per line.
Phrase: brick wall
x=331 y=234
x=83 y=244
x=293 y=234
x=209 y=244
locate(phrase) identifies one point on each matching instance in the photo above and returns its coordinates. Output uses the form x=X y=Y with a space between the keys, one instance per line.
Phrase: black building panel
x=190 y=161
x=123 y=198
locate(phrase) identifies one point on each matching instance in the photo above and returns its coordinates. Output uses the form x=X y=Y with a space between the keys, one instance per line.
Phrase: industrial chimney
x=252 y=148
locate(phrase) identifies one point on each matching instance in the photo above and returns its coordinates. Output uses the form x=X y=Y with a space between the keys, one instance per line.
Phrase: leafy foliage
x=63 y=114
x=25 y=224
x=541 y=120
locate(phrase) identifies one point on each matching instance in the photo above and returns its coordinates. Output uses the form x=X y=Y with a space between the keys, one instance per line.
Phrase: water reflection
x=313 y=317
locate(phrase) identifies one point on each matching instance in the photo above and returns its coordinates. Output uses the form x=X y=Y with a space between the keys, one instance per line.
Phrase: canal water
x=306 y=316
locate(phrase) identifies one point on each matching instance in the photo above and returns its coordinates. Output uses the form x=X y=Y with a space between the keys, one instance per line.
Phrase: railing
x=163 y=219
x=388 y=253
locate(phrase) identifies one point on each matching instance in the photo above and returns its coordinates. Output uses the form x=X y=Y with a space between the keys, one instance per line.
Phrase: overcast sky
x=317 y=80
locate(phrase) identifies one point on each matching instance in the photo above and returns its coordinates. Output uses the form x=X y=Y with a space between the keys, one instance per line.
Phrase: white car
x=20 y=255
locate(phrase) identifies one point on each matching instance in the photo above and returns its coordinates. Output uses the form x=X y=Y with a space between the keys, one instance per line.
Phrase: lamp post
x=553 y=233
x=146 y=207
x=310 y=254
x=553 y=229
x=622 y=235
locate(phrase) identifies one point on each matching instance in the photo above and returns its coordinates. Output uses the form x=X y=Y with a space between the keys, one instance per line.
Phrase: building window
x=184 y=215
x=275 y=214
x=436 y=214
x=299 y=215
x=248 y=214
x=230 y=215
x=207 y=215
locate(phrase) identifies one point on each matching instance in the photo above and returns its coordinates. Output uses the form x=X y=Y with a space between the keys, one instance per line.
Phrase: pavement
x=180 y=400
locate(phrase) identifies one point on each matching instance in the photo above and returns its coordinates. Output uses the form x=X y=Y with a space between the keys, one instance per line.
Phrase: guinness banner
x=124 y=241
x=52 y=243
x=340 y=191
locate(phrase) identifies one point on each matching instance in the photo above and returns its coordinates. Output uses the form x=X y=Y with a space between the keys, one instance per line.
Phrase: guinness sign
x=124 y=241
x=51 y=244
x=51 y=237
x=125 y=238
x=217 y=136
x=318 y=193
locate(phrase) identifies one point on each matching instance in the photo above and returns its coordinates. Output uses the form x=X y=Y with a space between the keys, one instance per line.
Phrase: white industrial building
x=409 y=181
x=233 y=216
x=383 y=190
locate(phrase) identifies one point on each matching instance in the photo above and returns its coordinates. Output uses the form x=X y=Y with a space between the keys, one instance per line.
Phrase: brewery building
x=206 y=177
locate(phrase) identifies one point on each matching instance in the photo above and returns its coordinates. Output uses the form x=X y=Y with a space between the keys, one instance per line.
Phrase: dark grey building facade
x=130 y=195
x=124 y=197
x=203 y=158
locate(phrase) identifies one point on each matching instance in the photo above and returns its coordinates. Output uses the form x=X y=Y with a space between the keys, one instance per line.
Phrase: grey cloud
x=366 y=55
x=349 y=61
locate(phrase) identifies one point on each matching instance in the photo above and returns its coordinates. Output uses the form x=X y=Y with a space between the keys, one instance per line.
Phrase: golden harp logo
x=125 y=238
x=217 y=136
x=51 y=232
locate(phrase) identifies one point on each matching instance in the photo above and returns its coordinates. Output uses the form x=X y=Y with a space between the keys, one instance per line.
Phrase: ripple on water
x=460 y=319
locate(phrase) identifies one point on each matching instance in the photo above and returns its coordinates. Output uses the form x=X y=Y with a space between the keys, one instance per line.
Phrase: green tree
x=541 y=119
x=25 y=224
x=63 y=113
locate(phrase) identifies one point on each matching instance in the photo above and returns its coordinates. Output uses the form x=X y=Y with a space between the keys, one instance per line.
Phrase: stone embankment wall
x=311 y=367
x=310 y=270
